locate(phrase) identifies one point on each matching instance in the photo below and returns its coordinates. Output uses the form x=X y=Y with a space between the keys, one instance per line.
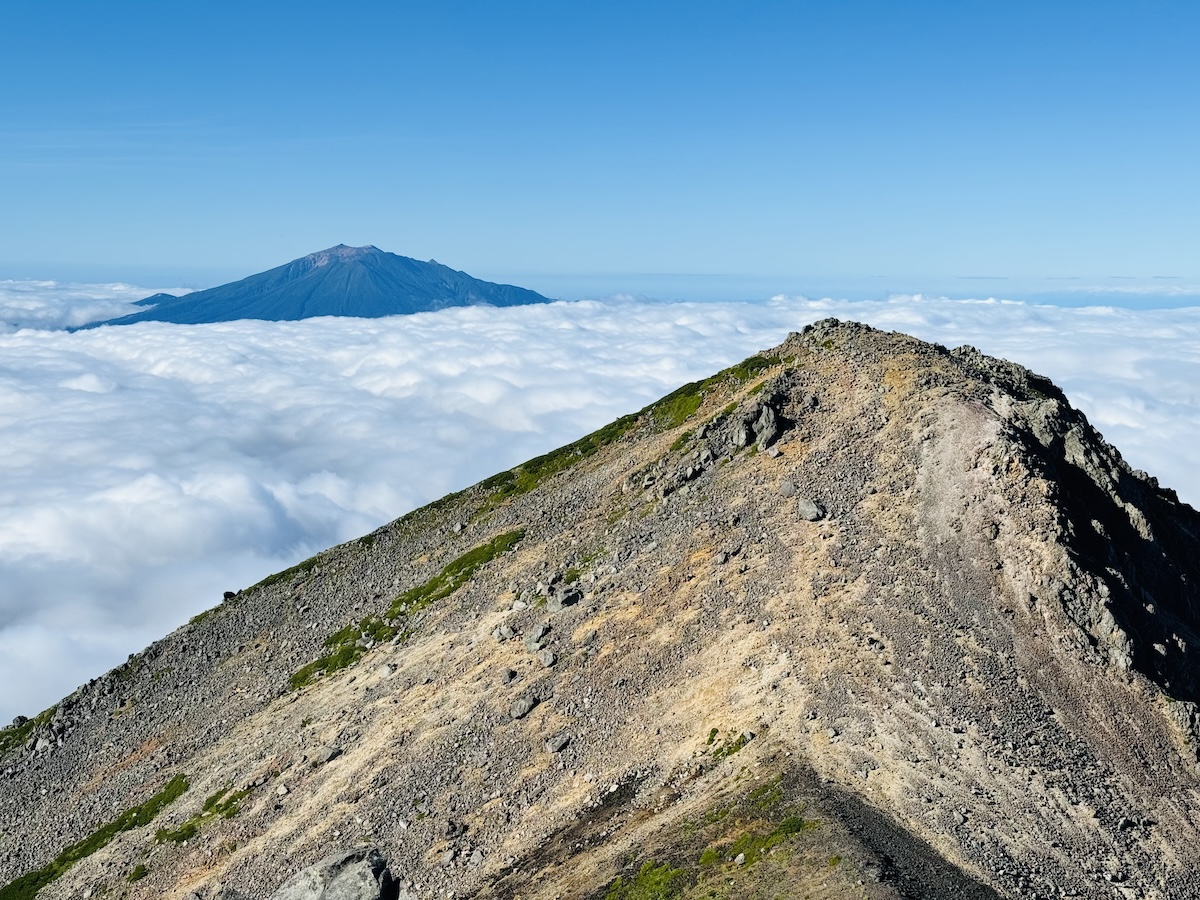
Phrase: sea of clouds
x=145 y=469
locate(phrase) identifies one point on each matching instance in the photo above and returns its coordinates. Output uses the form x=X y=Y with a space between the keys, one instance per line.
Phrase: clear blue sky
x=842 y=139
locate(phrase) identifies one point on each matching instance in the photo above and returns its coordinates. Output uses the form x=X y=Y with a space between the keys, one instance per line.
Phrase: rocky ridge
x=860 y=616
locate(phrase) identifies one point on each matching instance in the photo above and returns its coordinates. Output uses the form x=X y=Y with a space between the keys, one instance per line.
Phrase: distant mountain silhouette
x=342 y=281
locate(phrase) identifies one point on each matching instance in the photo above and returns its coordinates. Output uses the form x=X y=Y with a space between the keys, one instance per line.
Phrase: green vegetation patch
x=453 y=576
x=184 y=832
x=761 y=823
x=728 y=747
x=530 y=474
x=300 y=568
x=751 y=367
x=211 y=802
x=753 y=845
x=349 y=645
x=201 y=616
x=581 y=564
x=231 y=805
x=16 y=735
x=139 y=872
x=27 y=886
x=664 y=414
x=767 y=796
x=682 y=441
x=341 y=657
x=678 y=406
x=653 y=882
x=222 y=803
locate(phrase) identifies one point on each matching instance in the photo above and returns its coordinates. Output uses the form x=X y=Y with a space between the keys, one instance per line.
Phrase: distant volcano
x=342 y=281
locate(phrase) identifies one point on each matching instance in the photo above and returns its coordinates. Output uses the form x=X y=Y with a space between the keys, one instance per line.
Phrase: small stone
x=558 y=743
x=533 y=640
x=563 y=598
x=507 y=676
x=809 y=510
x=519 y=605
x=547 y=658
x=520 y=707
x=477 y=857
x=282 y=790
x=787 y=489
x=740 y=859
x=328 y=754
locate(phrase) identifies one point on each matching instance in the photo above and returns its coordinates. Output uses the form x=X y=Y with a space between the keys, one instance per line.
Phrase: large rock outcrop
x=346 y=875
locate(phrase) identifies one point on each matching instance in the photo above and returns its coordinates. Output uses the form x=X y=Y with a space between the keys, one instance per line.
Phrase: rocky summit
x=365 y=282
x=858 y=617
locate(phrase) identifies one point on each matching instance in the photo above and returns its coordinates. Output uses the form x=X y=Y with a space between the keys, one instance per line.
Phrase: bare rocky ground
x=861 y=617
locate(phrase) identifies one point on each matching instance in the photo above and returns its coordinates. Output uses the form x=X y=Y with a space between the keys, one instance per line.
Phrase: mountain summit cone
x=342 y=281
x=857 y=617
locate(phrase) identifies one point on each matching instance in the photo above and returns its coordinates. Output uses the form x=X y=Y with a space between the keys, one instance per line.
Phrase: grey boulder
x=347 y=875
x=809 y=510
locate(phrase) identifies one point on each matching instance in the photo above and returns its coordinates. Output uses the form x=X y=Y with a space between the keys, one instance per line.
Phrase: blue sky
x=198 y=143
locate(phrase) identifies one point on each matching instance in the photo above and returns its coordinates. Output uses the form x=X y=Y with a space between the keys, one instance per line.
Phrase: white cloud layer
x=58 y=304
x=148 y=468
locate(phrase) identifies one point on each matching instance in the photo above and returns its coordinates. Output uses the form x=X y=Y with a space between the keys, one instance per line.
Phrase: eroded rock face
x=346 y=875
